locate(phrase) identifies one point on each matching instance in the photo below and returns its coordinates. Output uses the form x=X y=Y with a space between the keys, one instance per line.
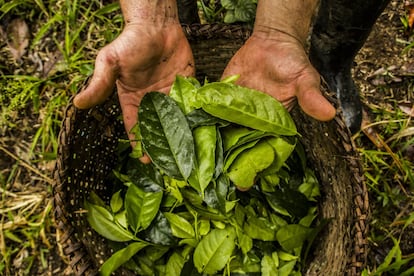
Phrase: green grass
x=71 y=31
x=390 y=179
x=64 y=39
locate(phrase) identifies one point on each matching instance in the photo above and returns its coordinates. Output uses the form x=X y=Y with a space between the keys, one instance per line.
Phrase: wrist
x=275 y=18
x=278 y=35
x=154 y=12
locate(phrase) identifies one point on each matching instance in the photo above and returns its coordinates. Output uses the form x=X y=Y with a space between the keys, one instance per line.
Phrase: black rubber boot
x=340 y=30
x=187 y=11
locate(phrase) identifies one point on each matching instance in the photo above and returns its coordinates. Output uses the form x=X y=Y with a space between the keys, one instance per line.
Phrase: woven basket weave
x=86 y=155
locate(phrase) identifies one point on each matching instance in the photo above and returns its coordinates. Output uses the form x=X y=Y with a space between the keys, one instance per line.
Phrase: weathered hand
x=142 y=59
x=279 y=66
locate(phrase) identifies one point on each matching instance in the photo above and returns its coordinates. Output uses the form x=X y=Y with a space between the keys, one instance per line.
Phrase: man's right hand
x=143 y=58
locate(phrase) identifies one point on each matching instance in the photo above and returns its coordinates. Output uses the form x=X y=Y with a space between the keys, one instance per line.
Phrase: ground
x=383 y=71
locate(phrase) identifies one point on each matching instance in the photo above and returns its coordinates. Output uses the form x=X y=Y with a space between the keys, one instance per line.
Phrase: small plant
x=239 y=10
x=389 y=176
x=394 y=263
x=228 y=11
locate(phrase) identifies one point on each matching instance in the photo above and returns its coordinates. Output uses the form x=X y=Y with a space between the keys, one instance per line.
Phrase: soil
x=383 y=73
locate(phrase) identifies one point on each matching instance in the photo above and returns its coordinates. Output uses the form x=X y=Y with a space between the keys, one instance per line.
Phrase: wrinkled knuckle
x=107 y=56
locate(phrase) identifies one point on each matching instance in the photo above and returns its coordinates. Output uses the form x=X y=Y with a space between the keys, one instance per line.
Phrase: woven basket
x=86 y=156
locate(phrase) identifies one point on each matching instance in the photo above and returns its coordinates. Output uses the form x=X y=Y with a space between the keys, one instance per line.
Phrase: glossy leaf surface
x=141 y=207
x=246 y=107
x=103 y=222
x=166 y=136
x=214 y=250
x=120 y=257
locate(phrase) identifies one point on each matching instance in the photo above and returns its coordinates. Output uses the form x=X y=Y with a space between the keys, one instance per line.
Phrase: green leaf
x=102 y=221
x=180 y=227
x=120 y=257
x=260 y=229
x=218 y=171
x=216 y=195
x=204 y=227
x=239 y=10
x=159 y=232
x=310 y=185
x=95 y=199
x=183 y=92
x=236 y=136
x=214 y=250
x=246 y=107
x=231 y=156
x=229 y=4
x=230 y=79
x=268 y=265
x=199 y=117
x=155 y=253
x=141 y=207
x=287 y=268
x=245 y=11
x=245 y=243
x=292 y=236
x=205 y=140
x=116 y=202
x=121 y=219
x=145 y=176
x=283 y=149
x=245 y=168
x=294 y=202
x=166 y=135
x=174 y=265
x=286 y=256
x=230 y=17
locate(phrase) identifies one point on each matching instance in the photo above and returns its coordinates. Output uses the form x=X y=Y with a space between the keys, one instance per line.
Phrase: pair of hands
x=144 y=59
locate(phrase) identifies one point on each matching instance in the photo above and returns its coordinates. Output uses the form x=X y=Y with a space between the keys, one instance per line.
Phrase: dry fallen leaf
x=410 y=13
x=368 y=129
x=407 y=110
x=18 y=38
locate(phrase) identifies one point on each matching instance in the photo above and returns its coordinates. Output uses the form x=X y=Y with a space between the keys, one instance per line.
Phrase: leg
x=187 y=11
x=340 y=30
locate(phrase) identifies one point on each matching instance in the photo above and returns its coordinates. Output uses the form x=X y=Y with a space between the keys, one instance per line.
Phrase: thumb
x=101 y=84
x=316 y=105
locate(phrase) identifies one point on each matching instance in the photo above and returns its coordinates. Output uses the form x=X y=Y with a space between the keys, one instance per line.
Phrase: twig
x=27 y=166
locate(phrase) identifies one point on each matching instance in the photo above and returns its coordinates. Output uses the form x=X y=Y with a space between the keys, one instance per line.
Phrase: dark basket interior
x=86 y=156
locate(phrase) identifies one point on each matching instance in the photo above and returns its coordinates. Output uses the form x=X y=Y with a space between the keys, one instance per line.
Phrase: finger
x=129 y=113
x=130 y=116
x=102 y=82
x=316 y=105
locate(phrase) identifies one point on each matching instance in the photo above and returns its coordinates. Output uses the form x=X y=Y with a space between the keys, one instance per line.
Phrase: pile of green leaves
x=239 y=10
x=184 y=213
x=228 y=11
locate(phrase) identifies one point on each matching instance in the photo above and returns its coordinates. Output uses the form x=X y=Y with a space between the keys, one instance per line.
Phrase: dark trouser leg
x=187 y=11
x=339 y=32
